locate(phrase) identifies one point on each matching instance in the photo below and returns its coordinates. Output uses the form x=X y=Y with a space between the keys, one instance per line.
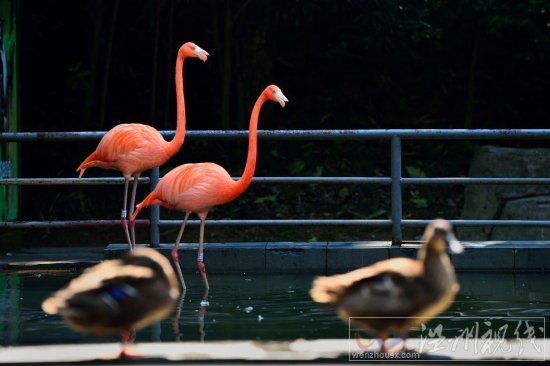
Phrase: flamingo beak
x=281 y=99
x=202 y=54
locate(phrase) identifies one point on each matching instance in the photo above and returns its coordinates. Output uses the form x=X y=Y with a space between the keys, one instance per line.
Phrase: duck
x=118 y=296
x=393 y=295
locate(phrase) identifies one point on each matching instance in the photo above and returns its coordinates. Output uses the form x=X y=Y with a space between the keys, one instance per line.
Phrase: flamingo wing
x=195 y=187
x=129 y=148
x=127 y=141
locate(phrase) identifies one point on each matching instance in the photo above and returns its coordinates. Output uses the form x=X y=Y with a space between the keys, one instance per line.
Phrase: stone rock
x=532 y=208
x=511 y=202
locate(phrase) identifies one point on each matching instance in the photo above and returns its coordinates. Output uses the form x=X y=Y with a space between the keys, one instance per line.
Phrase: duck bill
x=455 y=247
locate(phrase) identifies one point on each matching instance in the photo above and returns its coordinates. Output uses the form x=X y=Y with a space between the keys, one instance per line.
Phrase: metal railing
x=396 y=181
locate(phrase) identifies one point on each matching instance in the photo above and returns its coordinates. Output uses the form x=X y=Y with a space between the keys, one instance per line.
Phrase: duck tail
x=53 y=304
x=325 y=289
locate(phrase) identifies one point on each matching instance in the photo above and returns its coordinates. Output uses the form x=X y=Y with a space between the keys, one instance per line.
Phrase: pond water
x=256 y=307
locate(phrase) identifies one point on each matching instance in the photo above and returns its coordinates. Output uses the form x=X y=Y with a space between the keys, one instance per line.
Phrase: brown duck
x=118 y=296
x=415 y=290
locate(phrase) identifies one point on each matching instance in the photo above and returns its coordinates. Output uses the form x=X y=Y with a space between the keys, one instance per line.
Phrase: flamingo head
x=192 y=50
x=274 y=93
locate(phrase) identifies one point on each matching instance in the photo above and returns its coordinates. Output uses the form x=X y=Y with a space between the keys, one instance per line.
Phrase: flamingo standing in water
x=133 y=148
x=201 y=186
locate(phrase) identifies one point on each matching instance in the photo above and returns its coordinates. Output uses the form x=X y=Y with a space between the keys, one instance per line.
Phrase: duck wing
x=112 y=297
x=391 y=288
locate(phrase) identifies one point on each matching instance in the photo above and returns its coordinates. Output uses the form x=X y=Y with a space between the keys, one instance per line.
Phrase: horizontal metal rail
x=396 y=181
x=345 y=222
x=420 y=134
x=67 y=181
x=477 y=181
x=293 y=180
x=64 y=224
x=288 y=222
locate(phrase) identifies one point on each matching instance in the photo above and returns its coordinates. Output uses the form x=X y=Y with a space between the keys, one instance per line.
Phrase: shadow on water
x=254 y=307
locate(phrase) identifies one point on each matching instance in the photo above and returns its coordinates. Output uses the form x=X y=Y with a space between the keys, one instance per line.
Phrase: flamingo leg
x=200 y=256
x=123 y=214
x=174 y=253
x=131 y=211
x=201 y=312
x=204 y=301
x=176 y=318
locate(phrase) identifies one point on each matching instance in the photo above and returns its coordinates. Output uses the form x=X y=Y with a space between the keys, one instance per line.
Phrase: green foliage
x=272 y=198
x=415 y=172
x=77 y=77
x=377 y=214
x=297 y=167
x=419 y=202
x=415 y=200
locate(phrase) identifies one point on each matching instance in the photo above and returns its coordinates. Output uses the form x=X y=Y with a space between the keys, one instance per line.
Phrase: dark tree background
x=91 y=64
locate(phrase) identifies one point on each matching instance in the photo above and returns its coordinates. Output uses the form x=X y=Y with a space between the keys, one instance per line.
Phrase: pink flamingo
x=199 y=187
x=133 y=148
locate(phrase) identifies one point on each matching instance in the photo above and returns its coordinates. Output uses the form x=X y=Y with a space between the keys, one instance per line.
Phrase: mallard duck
x=118 y=296
x=415 y=290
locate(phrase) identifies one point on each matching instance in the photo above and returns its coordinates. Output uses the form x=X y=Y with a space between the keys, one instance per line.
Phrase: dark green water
x=257 y=307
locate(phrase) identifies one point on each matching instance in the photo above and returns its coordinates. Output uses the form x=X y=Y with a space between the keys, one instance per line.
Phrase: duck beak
x=202 y=54
x=281 y=98
x=454 y=245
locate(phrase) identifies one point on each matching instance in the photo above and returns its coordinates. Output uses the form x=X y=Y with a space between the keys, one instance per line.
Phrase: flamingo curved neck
x=177 y=141
x=244 y=181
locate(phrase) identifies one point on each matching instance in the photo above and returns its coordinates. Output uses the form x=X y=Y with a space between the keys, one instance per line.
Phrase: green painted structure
x=9 y=108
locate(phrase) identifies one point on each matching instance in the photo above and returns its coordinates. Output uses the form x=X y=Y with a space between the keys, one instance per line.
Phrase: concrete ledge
x=346 y=256
x=532 y=258
x=219 y=257
x=317 y=257
x=245 y=352
x=49 y=266
x=295 y=256
x=51 y=259
x=408 y=250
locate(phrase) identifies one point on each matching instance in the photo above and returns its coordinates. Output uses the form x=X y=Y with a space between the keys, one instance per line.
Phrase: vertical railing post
x=154 y=233
x=396 y=199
